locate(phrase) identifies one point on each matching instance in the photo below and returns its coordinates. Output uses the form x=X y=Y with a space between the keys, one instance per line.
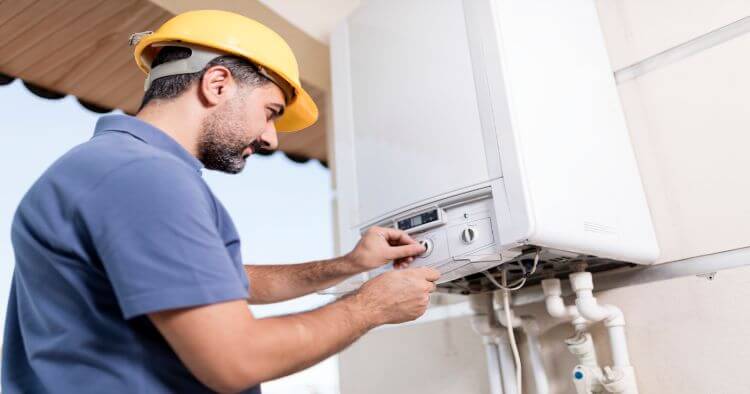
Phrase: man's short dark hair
x=172 y=86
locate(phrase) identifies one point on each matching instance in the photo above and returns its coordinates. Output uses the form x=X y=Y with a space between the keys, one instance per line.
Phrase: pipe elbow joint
x=590 y=309
x=616 y=318
x=556 y=307
x=554 y=303
x=611 y=315
x=481 y=325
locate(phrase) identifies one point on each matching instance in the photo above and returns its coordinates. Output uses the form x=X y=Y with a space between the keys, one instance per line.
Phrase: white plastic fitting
x=556 y=306
x=583 y=286
x=612 y=316
x=620 y=378
x=582 y=347
x=516 y=322
x=586 y=380
x=481 y=325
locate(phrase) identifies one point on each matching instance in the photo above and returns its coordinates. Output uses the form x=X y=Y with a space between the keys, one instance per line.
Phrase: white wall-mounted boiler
x=489 y=130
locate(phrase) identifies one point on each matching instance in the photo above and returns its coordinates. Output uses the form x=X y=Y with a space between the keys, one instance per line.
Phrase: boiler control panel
x=459 y=237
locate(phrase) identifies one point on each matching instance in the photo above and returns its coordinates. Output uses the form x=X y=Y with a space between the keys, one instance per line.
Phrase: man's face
x=239 y=127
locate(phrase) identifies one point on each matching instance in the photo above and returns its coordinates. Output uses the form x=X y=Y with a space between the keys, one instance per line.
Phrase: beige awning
x=79 y=47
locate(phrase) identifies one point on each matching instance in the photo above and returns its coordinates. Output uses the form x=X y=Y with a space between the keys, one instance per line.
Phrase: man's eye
x=271 y=114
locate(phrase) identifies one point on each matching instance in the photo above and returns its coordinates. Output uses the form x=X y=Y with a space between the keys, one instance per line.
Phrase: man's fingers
x=398 y=237
x=404 y=251
x=404 y=261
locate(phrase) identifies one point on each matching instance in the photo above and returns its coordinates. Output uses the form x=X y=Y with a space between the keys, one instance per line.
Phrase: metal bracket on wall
x=708 y=275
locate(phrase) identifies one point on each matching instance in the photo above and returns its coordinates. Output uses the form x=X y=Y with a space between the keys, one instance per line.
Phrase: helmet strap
x=197 y=61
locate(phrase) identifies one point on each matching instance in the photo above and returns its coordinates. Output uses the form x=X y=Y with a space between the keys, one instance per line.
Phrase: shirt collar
x=146 y=133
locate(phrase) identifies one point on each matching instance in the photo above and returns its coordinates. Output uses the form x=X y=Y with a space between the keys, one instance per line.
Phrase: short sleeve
x=152 y=225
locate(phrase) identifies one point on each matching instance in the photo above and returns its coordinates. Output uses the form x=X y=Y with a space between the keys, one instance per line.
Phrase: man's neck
x=179 y=123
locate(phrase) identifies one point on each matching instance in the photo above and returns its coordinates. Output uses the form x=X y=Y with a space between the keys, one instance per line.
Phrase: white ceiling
x=316 y=17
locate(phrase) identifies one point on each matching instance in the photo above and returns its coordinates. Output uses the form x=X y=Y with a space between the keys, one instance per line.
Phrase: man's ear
x=216 y=85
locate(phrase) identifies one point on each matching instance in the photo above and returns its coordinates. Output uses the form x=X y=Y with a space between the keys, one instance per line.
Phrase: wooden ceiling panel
x=79 y=47
x=59 y=51
x=12 y=8
x=68 y=57
x=35 y=15
x=35 y=45
x=34 y=37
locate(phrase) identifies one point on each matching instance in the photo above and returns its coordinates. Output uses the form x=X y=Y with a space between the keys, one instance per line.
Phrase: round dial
x=468 y=235
x=428 y=246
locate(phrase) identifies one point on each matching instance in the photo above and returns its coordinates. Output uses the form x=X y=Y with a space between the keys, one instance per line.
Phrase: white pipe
x=619 y=344
x=583 y=285
x=621 y=378
x=484 y=324
x=538 y=372
x=493 y=367
x=507 y=364
x=500 y=315
x=516 y=321
x=556 y=306
x=613 y=318
x=591 y=310
x=582 y=347
x=529 y=328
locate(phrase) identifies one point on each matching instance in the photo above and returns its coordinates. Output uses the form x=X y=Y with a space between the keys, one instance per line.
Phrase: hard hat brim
x=299 y=114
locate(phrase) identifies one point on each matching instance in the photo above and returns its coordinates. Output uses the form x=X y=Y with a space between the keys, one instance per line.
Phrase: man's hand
x=398 y=296
x=379 y=245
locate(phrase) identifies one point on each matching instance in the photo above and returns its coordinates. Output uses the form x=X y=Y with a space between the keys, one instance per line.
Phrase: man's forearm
x=299 y=341
x=228 y=350
x=275 y=283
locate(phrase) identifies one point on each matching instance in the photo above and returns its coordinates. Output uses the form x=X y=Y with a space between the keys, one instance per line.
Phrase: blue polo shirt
x=120 y=226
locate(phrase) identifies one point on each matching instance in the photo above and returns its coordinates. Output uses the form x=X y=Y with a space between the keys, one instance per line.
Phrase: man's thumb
x=429 y=274
x=399 y=252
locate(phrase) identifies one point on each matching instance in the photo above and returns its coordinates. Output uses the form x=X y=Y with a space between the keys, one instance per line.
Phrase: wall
x=688 y=116
x=436 y=357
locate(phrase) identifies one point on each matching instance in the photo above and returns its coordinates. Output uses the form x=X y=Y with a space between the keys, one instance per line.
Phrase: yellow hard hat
x=234 y=34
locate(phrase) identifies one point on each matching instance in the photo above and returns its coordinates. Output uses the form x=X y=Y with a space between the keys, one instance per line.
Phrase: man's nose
x=269 y=137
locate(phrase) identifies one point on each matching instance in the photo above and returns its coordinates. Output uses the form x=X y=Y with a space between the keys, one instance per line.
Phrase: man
x=128 y=273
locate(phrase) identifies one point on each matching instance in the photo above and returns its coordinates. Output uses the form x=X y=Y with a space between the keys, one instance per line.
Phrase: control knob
x=428 y=246
x=468 y=235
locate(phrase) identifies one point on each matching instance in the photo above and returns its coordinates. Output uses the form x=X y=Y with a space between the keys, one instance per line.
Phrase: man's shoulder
x=114 y=150
x=134 y=175
x=111 y=162
x=112 y=155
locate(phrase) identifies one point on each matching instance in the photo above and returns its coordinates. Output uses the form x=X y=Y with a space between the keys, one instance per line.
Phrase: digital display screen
x=414 y=221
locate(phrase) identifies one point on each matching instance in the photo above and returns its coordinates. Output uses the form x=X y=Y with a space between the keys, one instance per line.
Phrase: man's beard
x=222 y=144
